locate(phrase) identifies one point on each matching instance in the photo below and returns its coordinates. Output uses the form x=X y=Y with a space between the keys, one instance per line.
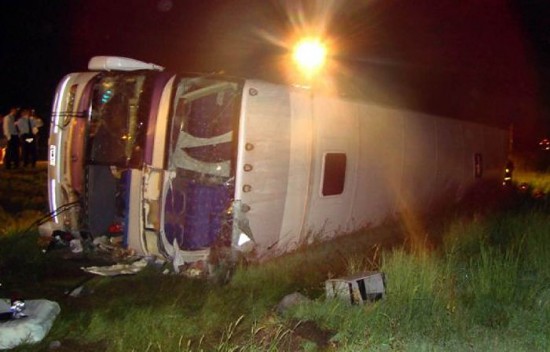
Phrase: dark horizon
x=485 y=62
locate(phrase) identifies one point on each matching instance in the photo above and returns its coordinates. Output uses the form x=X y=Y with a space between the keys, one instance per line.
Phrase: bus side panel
x=474 y=143
x=489 y=145
x=380 y=164
x=450 y=178
x=419 y=165
x=496 y=148
x=264 y=163
x=335 y=134
x=300 y=168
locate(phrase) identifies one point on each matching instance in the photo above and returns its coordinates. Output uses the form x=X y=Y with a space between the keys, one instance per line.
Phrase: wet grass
x=478 y=281
x=24 y=190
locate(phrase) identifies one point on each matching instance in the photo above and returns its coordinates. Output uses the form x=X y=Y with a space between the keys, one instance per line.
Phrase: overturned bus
x=186 y=165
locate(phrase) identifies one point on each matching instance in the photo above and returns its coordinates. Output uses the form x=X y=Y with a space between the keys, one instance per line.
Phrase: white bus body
x=190 y=164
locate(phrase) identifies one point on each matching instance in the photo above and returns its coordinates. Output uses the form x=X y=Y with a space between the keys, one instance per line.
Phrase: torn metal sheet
x=117 y=269
x=242 y=237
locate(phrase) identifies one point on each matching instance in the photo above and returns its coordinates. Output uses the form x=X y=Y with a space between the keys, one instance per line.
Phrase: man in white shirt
x=11 y=159
x=25 y=125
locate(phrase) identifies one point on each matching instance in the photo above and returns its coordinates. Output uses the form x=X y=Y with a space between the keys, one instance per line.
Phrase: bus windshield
x=202 y=151
x=118 y=118
x=202 y=137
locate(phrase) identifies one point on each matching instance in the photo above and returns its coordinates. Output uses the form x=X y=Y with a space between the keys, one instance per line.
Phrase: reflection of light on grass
x=539 y=181
x=414 y=228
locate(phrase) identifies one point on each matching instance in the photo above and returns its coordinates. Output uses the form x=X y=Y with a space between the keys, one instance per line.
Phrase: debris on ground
x=360 y=288
x=290 y=301
x=26 y=321
x=120 y=260
x=119 y=269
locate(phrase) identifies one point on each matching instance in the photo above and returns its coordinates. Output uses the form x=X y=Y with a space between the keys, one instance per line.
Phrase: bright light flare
x=310 y=55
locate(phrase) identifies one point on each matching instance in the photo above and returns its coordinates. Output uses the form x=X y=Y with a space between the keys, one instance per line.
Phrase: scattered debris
x=32 y=327
x=118 y=269
x=357 y=289
x=47 y=229
x=17 y=308
x=76 y=246
x=290 y=301
x=111 y=246
x=77 y=292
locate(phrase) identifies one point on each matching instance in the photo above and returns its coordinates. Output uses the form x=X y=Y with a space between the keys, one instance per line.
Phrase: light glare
x=310 y=55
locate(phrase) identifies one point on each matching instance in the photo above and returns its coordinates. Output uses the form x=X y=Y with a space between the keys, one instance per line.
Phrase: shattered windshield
x=118 y=119
x=202 y=151
x=202 y=135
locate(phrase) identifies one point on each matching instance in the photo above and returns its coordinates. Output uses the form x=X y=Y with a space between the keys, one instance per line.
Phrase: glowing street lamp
x=310 y=55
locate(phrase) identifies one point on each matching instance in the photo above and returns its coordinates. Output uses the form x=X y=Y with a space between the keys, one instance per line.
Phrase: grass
x=27 y=191
x=473 y=294
x=479 y=282
x=540 y=182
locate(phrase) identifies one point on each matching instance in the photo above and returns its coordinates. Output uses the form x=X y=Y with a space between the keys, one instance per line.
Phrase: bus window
x=478 y=165
x=334 y=174
x=202 y=133
x=117 y=121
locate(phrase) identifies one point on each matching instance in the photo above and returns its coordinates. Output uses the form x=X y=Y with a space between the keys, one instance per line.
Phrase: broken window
x=478 y=165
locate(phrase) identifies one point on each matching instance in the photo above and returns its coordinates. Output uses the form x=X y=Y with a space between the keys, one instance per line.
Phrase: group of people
x=20 y=127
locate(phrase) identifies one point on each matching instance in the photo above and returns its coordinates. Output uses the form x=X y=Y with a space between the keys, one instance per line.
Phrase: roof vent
x=116 y=63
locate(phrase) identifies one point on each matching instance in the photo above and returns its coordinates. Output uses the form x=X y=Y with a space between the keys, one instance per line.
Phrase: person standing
x=3 y=141
x=25 y=126
x=11 y=159
x=37 y=124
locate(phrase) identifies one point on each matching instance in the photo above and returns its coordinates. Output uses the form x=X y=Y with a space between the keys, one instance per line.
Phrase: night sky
x=486 y=61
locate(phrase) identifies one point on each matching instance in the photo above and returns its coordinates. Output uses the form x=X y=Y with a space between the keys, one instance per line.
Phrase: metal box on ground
x=358 y=288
